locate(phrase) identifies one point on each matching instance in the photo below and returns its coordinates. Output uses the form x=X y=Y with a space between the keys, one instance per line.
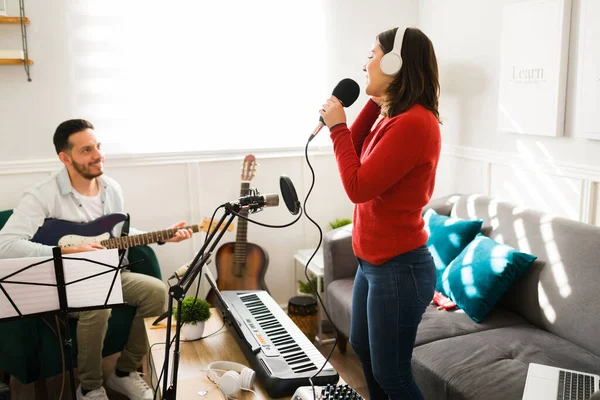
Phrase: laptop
x=545 y=383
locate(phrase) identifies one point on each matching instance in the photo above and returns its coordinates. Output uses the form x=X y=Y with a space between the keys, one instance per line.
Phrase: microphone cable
x=263 y=224
x=313 y=287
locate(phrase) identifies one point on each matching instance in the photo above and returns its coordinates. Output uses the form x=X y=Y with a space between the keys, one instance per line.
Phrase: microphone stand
x=177 y=293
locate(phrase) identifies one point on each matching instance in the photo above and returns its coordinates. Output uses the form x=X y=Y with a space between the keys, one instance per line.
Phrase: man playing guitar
x=80 y=193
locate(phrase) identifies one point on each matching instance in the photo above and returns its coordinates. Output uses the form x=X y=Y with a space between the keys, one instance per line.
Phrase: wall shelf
x=14 y=61
x=22 y=21
x=13 y=20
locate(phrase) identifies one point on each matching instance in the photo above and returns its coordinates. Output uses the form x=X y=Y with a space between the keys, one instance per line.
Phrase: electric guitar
x=57 y=232
x=241 y=265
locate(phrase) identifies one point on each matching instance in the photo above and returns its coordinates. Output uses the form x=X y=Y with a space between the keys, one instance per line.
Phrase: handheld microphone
x=346 y=91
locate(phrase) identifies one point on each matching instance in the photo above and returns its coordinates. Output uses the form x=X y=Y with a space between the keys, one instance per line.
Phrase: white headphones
x=234 y=376
x=391 y=62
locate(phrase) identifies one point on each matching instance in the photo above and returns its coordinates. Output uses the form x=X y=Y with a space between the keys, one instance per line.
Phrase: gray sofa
x=550 y=316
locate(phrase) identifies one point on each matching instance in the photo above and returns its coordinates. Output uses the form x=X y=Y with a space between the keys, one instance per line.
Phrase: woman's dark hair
x=66 y=129
x=418 y=80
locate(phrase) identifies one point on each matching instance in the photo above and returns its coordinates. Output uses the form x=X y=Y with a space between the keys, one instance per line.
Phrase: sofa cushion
x=559 y=293
x=493 y=364
x=339 y=303
x=439 y=324
x=447 y=238
x=477 y=278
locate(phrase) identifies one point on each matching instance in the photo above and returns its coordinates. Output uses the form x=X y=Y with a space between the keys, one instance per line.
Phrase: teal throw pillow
x=482 y=273
x=447 y=238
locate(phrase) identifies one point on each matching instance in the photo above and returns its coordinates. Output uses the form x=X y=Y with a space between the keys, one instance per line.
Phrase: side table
x=316 y=269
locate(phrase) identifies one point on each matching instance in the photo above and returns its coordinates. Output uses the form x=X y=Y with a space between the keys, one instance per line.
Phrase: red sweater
x=389 y=173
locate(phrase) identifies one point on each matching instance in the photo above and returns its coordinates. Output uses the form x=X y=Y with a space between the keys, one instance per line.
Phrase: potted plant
x=304 y=288
x=194 y=313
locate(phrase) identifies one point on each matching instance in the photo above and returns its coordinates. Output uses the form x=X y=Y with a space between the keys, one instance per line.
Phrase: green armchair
x=29 y=349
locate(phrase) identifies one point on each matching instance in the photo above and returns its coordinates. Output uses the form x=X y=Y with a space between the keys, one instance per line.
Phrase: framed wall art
x=589 y=83
x=533 y=67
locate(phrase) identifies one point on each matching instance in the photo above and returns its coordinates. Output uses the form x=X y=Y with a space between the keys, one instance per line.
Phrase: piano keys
x=279 y=352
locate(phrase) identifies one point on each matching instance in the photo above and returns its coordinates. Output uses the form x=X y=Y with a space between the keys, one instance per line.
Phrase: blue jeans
x=388 y=302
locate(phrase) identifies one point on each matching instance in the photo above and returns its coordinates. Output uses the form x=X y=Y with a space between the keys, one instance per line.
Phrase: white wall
x=31 y=111
x=162 y=189
x=558 y=174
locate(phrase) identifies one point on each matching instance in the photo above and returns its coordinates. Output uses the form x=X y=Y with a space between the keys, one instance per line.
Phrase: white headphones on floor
x=391 y=62
x=231 y=377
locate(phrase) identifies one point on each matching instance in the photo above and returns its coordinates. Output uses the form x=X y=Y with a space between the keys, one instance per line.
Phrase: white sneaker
x=98 y=394
x=132 y=386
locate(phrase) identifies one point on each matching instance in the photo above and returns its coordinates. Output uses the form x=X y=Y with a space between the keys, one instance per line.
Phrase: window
x=199 y=75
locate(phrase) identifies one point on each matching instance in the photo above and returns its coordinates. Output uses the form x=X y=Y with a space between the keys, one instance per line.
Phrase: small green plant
x=193 y=311
x=336 y=223
x=305 y=287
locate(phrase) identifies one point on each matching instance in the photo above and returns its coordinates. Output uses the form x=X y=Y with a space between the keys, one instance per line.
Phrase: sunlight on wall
x=531 y=188
x=517 y=128
x=199 y=76
x=554 y=260
x=514 y=193
x=545 y=183
x=558 y=171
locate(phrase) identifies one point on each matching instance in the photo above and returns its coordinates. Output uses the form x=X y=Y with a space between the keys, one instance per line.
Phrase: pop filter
x=288 y=192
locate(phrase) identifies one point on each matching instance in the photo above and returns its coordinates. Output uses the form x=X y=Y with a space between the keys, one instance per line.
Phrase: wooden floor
x=347 y=366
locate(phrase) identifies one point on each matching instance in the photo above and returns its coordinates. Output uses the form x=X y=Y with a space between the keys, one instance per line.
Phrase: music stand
x=177 y=292
x=53 y=295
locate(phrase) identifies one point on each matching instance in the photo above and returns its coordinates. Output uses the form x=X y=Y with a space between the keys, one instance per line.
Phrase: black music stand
x=177 y=292
x=61 y=292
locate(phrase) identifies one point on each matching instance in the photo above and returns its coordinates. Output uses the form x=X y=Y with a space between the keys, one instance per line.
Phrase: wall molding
x=587 y=208
x=588 y=175
x=489 y=157
x=557 y=168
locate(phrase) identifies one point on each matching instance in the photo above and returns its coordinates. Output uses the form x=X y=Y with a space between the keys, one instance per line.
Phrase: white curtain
x=181 y=75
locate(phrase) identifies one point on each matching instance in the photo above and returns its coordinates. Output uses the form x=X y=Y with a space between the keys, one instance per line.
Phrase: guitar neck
x=144 y=238
x=241 y=237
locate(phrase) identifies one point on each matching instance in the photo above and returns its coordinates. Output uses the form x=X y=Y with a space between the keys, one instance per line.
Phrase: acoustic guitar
x=241 y=265
x=57 y=232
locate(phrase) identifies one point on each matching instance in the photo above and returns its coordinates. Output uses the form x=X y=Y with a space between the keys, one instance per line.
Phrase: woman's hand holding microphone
x=333 y=112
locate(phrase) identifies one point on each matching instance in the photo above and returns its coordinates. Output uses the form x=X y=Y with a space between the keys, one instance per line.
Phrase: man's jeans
x=388 y=302
x=144 y=292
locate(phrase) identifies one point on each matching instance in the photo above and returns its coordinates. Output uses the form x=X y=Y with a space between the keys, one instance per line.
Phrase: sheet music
x=29 y=299
x=92 y=292
x=33 y=299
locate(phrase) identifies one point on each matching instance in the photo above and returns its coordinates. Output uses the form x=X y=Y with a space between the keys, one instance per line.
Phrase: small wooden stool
x=303 y=311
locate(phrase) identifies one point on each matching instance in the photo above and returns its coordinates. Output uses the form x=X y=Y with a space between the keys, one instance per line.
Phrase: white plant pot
x=192 y=332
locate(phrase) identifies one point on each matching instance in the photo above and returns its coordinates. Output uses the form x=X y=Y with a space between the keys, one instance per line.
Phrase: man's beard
x=84 y=170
